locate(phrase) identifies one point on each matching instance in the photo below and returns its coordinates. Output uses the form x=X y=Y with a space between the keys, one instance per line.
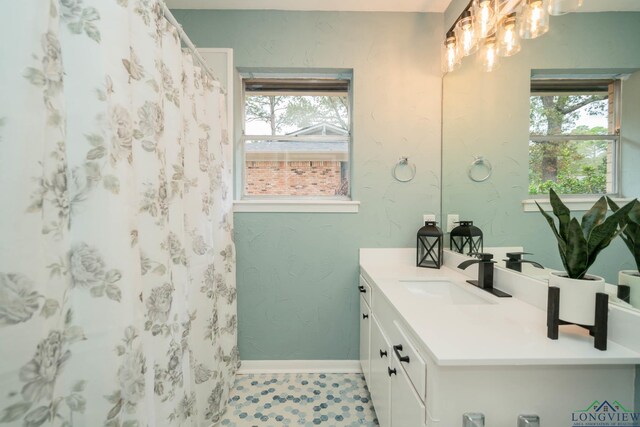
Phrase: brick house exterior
x=285 y=168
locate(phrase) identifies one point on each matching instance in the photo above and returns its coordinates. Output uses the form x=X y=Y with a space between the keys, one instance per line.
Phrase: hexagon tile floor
x=300 y=400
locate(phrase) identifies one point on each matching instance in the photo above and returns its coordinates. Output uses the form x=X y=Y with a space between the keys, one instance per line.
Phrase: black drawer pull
x=392 y=371
x=362 y=289
x=365 y=316
x=397 y=349
x=383 y=354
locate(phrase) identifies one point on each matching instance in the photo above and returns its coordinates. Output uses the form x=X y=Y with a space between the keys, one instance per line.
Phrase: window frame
x=567 y=86
x=293 y=203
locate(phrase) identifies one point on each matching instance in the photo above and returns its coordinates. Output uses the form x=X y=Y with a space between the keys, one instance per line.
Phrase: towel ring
x=480 y=169
x=404 y=161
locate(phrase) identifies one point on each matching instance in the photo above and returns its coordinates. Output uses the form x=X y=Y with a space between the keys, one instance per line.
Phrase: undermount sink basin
x=443 y=292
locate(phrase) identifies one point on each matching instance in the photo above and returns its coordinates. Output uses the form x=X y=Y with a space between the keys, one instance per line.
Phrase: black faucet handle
x=515 y=256
x=484 y=256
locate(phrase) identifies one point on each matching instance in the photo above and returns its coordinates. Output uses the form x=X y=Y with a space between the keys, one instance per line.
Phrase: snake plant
x=631 y=233
x=580 y=242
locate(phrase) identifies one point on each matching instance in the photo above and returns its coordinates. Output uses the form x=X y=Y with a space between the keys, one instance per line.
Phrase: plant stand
x=598 y=331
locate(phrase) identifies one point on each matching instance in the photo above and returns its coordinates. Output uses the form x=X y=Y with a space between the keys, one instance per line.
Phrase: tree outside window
x=573 y=138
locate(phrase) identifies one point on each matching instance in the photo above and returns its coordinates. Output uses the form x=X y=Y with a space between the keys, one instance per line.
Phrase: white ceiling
x=370 y=5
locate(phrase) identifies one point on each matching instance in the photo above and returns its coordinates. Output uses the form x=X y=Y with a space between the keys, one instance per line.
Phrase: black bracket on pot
x=597 y=331
x=624 y=293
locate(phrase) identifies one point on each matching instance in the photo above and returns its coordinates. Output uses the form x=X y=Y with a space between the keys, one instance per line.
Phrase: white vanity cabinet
x=407 y=409
x=379 y=381
x=395 y=369
x=365 y=327
x=427 y=363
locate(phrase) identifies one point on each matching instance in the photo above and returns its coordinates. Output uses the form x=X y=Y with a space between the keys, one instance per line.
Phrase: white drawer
x=365 y=290
x=409 y=359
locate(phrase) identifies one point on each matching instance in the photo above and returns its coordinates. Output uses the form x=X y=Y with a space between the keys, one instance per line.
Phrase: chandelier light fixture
x=488 y=56
x=466 y=34
x=508 y=37
x=494 y=29
x=450 y=53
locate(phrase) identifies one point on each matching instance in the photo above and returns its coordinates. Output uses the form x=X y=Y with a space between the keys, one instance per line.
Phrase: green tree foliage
x=296 y=112
x=569 y=167
x=268 y=109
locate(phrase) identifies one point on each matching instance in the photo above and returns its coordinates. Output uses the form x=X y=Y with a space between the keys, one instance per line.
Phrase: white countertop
x=509 y=332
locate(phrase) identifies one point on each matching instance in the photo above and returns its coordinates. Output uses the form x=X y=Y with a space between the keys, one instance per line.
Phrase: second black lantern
x=429 y=246
x=466 y=238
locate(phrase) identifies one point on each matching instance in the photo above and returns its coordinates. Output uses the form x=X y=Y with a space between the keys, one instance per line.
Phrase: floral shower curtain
x=117 y=269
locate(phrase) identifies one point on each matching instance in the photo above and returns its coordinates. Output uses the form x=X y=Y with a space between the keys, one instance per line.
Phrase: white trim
x=299 y=367
x=229 y=83
x=296 y=156
x=307 y=206
x=575 y=204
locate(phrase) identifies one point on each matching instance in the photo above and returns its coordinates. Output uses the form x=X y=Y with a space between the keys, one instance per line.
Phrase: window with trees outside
x=296 y=138
x=574 y=136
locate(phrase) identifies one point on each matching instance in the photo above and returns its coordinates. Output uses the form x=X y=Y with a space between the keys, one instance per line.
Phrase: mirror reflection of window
x=574 y=136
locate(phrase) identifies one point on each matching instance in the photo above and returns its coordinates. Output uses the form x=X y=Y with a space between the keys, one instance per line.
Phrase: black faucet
x=485 y=274
x=514 y=261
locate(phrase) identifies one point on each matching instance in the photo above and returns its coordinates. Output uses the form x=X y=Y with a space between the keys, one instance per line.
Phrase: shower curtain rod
x=188 y=43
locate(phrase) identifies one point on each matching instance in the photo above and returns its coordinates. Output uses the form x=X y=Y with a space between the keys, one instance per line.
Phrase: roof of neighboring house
x=282 y=146
x=320 y=129
x=304 y=146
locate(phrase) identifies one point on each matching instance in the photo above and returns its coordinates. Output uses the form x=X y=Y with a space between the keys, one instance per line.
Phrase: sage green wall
x=297 y=273
x=488 y=114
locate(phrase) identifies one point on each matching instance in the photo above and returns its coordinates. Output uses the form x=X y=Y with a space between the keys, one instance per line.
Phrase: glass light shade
x=466 y=34
x=484 y=13
x=488 y=55
x=560 y=7
x=534 y=20
x=450 y=53
x=508 y=37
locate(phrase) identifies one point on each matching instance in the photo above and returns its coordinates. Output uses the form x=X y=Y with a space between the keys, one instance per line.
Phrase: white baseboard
x=299 y=367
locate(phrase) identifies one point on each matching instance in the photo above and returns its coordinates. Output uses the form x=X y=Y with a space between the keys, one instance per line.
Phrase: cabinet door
x=406 y=408
x=380 y=383
x=365 y=335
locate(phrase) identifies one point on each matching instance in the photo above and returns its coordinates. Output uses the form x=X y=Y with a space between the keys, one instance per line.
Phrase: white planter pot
x=631 y=278
x=577 y=297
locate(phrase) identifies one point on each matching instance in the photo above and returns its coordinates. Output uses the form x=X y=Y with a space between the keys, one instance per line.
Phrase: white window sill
x=575 y=204
x=305 y=206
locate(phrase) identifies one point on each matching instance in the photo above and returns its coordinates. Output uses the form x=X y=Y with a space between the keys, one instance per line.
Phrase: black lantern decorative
x=429 y=246
x=466 y=238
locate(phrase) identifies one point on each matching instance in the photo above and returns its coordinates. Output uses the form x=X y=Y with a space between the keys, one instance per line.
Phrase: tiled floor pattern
x=300 y=400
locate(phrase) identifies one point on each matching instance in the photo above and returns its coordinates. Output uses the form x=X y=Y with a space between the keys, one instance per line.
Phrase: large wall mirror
x=550 y=113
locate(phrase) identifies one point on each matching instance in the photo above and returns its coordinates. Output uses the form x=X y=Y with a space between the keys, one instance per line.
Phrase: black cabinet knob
x=392 y=371
x=365 y=316
x=362 y=289
x=383 y=354
x=397 y=349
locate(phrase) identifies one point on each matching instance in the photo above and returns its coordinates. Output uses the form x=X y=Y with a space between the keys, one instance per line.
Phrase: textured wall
x=488 y=114
x=297 y=273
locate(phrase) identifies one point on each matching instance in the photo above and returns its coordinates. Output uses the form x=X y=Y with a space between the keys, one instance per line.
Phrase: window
x=574 y=136
x=296 y=138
